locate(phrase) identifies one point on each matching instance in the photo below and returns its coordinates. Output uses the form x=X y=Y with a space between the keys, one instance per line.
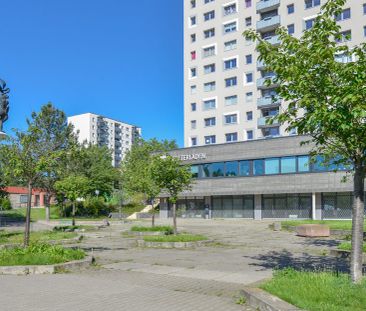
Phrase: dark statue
x=4 y=104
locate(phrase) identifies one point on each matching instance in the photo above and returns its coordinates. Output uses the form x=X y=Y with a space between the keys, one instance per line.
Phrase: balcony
x=274 y=40
x=267 y=5
x=269 y=101
x=262 y=83
x=262 y=122
x=269 y=23
x=261 y=65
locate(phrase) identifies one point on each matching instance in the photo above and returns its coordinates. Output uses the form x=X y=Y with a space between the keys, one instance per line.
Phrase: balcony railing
x=269 y=101
x=267 y=5
x=262 y=122
x=263 y=84
x=274 y=40
x=261 y=65
x=269 y=23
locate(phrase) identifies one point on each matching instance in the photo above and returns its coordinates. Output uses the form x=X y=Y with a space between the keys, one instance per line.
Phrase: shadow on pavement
x=322 y=242
x=285 y=259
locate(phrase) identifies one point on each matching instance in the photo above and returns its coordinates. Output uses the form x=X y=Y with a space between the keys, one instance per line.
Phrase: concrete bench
x=313 y=230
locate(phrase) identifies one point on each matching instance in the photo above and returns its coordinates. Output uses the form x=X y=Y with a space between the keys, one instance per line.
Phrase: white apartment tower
x=96 y=129
x=226 y=99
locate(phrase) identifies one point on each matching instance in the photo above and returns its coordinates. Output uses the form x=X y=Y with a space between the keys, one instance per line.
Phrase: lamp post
x=97 y=192
x=4 y=106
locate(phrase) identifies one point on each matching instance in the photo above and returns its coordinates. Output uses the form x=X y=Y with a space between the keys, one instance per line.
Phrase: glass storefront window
x=231 y=168
x=272 y=166
x=319 y=164
x=288 y=165
x=303 y=164
x=244 y=167
x=258 y=167
x=195 y=171
x=206 y=170
x=216 y=169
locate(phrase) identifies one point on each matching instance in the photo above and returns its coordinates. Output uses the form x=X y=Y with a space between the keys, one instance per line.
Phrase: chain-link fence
x=337 y=205
x=294 y=206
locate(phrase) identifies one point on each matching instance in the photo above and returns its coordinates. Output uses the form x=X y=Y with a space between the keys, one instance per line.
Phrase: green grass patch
x=166 y=229
x=132 y=208
x=39 y=254
x=333 y=224
x=176 y=238
x=40 y=214
x=36 y=213
x=313 y=291
x=347 y=246
x=7 y=237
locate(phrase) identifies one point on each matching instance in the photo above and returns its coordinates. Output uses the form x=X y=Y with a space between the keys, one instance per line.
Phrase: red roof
x=22 y=190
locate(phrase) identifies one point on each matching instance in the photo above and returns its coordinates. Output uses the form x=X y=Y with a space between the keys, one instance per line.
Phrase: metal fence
x=294 y=206
x=337 y=205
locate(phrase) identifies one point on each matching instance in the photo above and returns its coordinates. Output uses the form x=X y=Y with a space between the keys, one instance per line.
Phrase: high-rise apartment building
x=226 y=97
x=96 y=129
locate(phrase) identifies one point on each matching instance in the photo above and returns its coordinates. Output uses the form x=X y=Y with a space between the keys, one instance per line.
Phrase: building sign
x=194 y=156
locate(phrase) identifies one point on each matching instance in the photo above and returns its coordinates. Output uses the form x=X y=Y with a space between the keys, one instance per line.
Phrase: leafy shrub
x=5 y=204
x=91 y=207
x=96 y=206
x=39 y=254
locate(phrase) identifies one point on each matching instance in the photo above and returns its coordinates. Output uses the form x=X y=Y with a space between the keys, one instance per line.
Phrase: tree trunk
x=73 y=213
x=357 y=224
x=153 y=214
x=175 y=218
x=28 y=215
x=47 y=206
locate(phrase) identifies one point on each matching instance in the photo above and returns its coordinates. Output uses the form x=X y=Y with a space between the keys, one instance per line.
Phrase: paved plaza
x=206 y=278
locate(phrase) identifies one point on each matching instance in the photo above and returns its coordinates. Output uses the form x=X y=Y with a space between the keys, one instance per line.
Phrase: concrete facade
x=213 y=38
x=96 y=129
x=311 y=185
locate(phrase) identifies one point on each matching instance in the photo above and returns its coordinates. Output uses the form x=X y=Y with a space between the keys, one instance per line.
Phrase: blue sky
x=119 y=58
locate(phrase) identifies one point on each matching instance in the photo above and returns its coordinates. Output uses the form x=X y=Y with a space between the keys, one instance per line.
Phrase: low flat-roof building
x=260 y=179
x=18 y=197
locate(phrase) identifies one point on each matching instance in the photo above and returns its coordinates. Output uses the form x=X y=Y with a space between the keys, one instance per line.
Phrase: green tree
x=54 y=136
x=137 y=175
x=73 y=187
x=95 y=163
x=326 y=101
x=171 y=176
x=23 y=159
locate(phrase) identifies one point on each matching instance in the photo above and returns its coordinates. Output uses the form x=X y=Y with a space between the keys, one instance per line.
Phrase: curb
x=47 y=269
x=341 y=253
x=142 y=243
x=263 y=301
x=146 y=233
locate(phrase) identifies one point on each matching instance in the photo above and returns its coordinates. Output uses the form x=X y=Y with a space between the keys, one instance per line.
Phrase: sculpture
x=4 y=104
